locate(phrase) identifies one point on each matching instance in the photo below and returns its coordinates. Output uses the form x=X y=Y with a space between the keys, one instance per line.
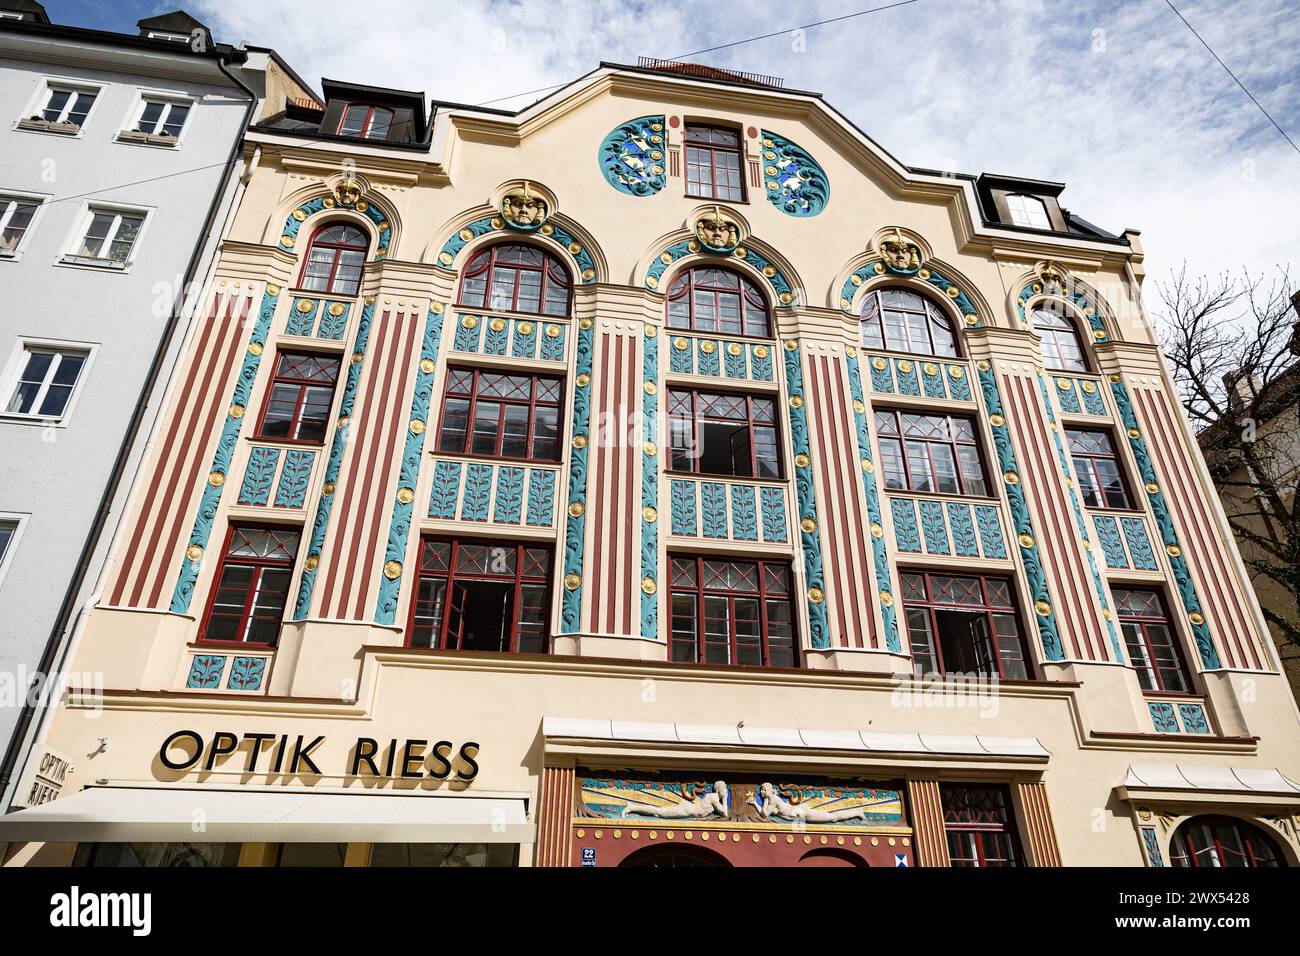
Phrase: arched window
x=709 y=299
x=516 y=278
x=1028 y=211
x=335 y=259
x=1062 y=345
x=902 y=321
x=671 y=857
x=1222 y=841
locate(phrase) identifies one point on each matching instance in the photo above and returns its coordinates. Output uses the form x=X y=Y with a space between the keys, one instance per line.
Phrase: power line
x=727 y=46
x=1234 y=77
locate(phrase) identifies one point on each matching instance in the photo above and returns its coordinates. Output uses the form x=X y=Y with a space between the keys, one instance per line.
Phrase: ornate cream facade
x=506 y=747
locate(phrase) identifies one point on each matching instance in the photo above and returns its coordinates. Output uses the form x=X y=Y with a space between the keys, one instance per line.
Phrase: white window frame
x=169 y=97
x=36 y=199
x=45 y=86
x=7 y=558
x=71 y=249
x=14 y=368
x=1022 y=207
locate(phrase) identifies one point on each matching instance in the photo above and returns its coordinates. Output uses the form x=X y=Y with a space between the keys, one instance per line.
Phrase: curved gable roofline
x=834 y=125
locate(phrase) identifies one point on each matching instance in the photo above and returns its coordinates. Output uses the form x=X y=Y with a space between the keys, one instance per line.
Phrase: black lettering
x=256 y=750
x=223 y=744
x=469 y=760
x=410 y=756
x=172 y=740
x=302 y=754
x=441 y=751
x=365 y=750
x=279 y=755
x=392 y=755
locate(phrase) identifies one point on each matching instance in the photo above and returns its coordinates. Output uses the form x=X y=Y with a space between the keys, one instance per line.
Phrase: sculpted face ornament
x=524 y=209
x=1052 y=279
x=716 y=232
x=347 y=192
x=899 y=254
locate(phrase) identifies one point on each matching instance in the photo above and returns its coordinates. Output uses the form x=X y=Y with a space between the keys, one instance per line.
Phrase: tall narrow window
x=1096 y=466
x=302 y=391
x=1152 y=645
x=1222 y=842
x=935 y=453
x=504 y=416
x=47 y=379
x=713 y=164
x=723 y=433
x=717 y=300
x=979 y=826
x=67 y=105
x=335 y=260
x=732 y=612
x=903 y=321
x=960 y=624
x=1062 y=347
x=162 y=117
x=252 y=584
x=8 y=531
x=366 y=122
x=1028 y=211
x=110 y=236
x=481 y=596
x=15 y=216
x=516 y=278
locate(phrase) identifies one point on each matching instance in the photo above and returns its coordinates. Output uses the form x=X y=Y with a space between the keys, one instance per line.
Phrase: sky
x=1119 y=100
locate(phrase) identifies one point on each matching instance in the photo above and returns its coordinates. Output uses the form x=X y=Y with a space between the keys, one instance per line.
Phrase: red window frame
x=896 y=446
x=925 y=601
x=286 y=377
x=1151 y=675
x=695 y=650
x=335 y=285
x=703 y=153
x=236 y=536
x=873 y=319
x=488 y=264
x=1056 y=330
x=433 y=567
x=1258 y=850
x=692 y=285
x=752 y=422
x=1088 y=474
x=368 y=124
x=979 y=824
x=474 y=396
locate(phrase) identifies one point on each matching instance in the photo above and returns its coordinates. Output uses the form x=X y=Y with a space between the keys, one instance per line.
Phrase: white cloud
x=1119 y=101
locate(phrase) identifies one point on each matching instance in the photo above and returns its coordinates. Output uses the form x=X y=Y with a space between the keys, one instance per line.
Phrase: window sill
x=503 y=459
x=942 y=496
x=733 y=202
x=90 y=262
x=487 y=310
x=18 y=418
x=915 y=356
x=289 y=442
x=709 y=476
x=47 y=126
x=134 y=137
x=203 y=645
x=1123 y=512
x=316 y=293
x=769 y=340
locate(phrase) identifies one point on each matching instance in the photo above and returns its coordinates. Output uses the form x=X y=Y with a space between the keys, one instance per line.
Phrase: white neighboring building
x=118 y=170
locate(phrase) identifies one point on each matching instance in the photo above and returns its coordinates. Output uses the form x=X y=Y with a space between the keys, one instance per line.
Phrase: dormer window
x=366 y=122
x=173 y=37
x=1028 y=211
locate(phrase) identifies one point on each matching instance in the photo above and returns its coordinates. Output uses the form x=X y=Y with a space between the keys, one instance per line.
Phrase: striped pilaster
x=926 y=809
x=555 y=818
x=1040 y=833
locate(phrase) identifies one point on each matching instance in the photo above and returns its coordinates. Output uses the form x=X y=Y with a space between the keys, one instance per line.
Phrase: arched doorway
x=1224 y=842
x=829 y=857
x=672 y=857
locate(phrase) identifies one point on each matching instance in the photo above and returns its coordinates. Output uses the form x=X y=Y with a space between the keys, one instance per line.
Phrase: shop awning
x=123 y=814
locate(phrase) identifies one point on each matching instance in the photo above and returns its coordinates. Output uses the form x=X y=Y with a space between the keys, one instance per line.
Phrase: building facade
x=664 y=475
x=115 y=187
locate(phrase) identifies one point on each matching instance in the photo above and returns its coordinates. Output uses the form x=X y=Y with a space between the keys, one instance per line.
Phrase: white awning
x=122 y=814
x=1267 y=781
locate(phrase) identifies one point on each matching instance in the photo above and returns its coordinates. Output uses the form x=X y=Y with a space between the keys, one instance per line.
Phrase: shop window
x=710 y=299
x=1063 y=349
x=516 y=278
x=248 y=599
x=469 y=855
x=732 y=612
x=1097 y=469
x=156 y=854
x=935 y=453
x=723 y=433
x=713 y=164
x=302 y=392
x=502 y=416
x=336 y=258
x=901 y=321
x=1222 y=842
x=482 y=596
x=960 y=624
x=979 y=826
x=366 y=122
x=312 y=854
x=1149 y=636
